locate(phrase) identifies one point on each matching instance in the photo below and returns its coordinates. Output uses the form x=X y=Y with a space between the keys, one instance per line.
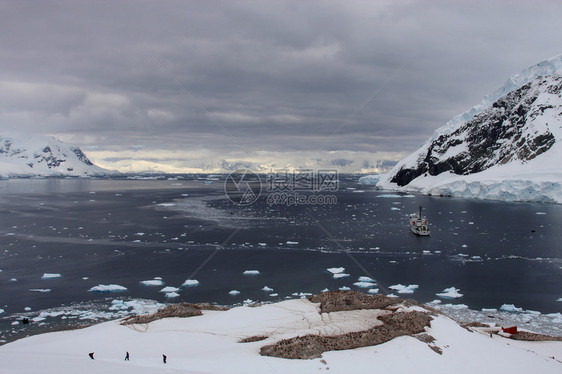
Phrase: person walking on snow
x=127 y=357
x=91 y=354
x=164 y=358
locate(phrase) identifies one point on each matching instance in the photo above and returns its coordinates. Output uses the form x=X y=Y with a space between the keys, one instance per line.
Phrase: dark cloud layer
x=374 y=76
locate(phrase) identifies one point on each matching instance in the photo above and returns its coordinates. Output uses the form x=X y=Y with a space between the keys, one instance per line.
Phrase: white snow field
x=210 y=344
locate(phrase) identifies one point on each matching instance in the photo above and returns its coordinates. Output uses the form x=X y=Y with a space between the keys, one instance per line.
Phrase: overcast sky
x=166 y=82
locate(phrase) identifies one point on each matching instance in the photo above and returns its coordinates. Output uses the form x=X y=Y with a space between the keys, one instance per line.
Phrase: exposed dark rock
x=498 y=135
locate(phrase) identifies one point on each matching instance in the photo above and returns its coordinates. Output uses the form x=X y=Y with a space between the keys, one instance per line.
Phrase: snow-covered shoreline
x=210 y=343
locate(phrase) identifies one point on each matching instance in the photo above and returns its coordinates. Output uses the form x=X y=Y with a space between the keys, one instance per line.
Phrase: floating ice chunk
x=394 y=208
x=152 y=282
x=336 y=270
x=364 y=284
x=169 y=289
x=373 y=290
x=1 y=311
x=108 y=288
x=436 y=301
x=139 y=233
x=13 y=323
x=248 y=301
x=302 y=295
x=273 y=294
x=340 y=275
x=559 y=299
x=456 y=306
x=251 y=272
x=325 y=290
x=450 y=293
x=511 y=308
x=234 y=292
x=51 y=276
x=267 y=289
x=344 y=288
x=400 y=288
x=41 y=290
x=389 y=196
x=167 y=204
x=425 y=252
x=489 y=310
x=540 y=213
x=291 y=243
x=27 y=309
x=262 y=244
x=365 y=279
x=391 y=295
x=190 y=283
x=171 y=295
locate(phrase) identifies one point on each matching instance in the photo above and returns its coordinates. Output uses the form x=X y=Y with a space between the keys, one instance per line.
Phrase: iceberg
x=171 y=295
x=108 y=288
x=41 y=290
x=267 y=289
x=234 y=292
x=169 y=289
x=511 y=308
x=190 y=283
x=152 y=282
x=450 y=293
x=336 y=270
x=51 y=276
x=364 y=284
x=340 y=275
x=400 y=288
x=251 y=272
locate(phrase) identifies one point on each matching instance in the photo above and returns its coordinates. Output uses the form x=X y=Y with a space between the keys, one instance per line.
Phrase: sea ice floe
x=291 y=243
x=169 y=289
x=302 y=295
x=251 y=272
x=190 y=283
x=267 y=289
x=108 y=288
x=559 y=299
x=344 y=288
x=41 y=290
x=400 y=288
x=273 y=294
x=27 y=309
x=365 y=279
x=511 y=308
x=540 y=213
x=13 y=279
x=1 y=311
x=171 y=295
x=450 y=293
x=340 y=275
x=336 y=270
x=152 y=282
x=234 y=292
x=364 y=284
x=489 y=310
x=373 y=290
x=51 y=275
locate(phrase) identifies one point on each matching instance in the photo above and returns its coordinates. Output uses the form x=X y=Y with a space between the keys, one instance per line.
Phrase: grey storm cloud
x=275 y=75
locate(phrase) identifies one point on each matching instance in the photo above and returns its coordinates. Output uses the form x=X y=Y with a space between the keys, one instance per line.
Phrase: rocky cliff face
x=516 y=127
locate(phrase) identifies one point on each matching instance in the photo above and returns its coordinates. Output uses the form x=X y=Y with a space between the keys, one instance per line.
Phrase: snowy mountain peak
x=510 y=149
x=544 y=68
x=43 y=156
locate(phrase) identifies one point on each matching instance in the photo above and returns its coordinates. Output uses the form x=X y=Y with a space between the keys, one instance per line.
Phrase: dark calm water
x=94 y=232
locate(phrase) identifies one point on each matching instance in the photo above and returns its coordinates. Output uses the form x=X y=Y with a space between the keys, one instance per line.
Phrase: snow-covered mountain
x=43 y=156
x=509 y=147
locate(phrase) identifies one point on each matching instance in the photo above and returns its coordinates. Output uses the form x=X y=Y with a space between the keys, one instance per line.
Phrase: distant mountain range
x=44 y=156
x=509 y=147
